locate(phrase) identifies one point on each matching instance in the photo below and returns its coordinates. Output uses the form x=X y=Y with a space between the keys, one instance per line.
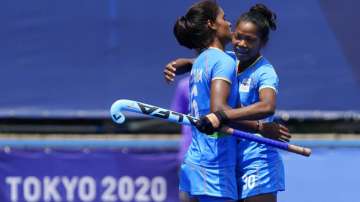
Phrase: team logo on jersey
x=245 y=85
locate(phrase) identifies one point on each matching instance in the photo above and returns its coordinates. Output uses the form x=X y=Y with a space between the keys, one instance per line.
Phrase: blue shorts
x=202 y=181
x=260 y=174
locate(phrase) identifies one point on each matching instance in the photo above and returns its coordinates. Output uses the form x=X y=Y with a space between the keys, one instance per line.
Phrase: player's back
x=215 y=150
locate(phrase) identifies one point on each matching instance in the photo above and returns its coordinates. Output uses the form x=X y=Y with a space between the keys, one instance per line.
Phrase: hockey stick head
x=116 y=111
x=120 y=106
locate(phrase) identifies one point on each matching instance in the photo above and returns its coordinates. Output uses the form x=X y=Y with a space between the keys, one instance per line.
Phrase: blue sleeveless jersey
x=211 y=151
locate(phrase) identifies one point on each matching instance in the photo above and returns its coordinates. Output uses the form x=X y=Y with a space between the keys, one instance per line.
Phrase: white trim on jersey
x=221 y=78
x=267 y=86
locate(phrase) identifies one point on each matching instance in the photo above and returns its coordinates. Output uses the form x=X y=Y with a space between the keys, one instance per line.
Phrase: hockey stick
x=133 y=106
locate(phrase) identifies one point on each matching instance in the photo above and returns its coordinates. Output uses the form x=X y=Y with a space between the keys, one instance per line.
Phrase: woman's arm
x=237 y=118
x=177 y=67
x=220 y=91
x=219 y=94
x=259 y=110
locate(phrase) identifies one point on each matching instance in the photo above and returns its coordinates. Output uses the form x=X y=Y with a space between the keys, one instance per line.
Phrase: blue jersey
x=211 y=151
x=260 y=167
x=261 y=74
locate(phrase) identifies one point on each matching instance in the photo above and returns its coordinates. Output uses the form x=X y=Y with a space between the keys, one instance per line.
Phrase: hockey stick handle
x=133 y=106
x=274 y=143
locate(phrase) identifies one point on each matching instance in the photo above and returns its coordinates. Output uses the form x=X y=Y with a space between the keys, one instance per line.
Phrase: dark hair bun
x=267 y=13
x=181 y=31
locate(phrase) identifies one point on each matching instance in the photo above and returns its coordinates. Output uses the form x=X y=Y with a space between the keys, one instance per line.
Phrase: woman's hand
x=212 y=122
x=176 y=67
x=275 y=131
x=170 y=71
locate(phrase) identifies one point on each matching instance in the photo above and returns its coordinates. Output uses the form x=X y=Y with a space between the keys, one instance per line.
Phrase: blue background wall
x=330 y=174
x=84 y=54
